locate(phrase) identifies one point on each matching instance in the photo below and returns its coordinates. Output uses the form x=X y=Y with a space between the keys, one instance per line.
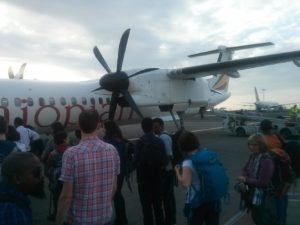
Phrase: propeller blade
x=143 y=71
x=122 y=49
x=100 y=58
x=97 y=89
x=113 y=105
x=131 y=102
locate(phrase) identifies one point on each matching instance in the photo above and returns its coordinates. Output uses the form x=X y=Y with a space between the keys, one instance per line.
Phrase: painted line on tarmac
x=194 y=131
x=235 y=218
x=203 y=130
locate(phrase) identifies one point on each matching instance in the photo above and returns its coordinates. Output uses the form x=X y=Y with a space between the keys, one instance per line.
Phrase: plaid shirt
x=14 y=207
x=90 y=166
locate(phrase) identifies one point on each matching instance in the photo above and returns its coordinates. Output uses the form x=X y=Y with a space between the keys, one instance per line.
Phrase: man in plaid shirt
x=89 y=175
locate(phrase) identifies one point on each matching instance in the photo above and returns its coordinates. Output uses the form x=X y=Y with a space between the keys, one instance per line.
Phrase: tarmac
x=233 y=154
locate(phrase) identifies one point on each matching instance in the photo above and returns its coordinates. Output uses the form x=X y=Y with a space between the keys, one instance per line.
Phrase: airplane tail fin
x=256 y=94
x=20 y=74
x=220 y=81
x=225 y=53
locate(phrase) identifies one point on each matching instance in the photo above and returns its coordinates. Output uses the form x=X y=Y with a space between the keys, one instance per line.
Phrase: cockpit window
x=4 y=102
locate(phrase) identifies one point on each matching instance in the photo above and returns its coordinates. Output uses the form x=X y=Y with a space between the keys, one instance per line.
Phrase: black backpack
x=283 y=176
x=178 y=155
x=293 y=149
x=152 y=160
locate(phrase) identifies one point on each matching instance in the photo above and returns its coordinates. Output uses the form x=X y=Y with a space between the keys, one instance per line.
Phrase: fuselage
x=40 y=103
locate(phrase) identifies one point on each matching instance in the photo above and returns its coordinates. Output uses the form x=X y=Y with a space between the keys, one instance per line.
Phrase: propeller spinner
x=116 y=82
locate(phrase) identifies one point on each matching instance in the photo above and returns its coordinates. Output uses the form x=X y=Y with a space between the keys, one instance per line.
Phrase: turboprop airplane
x=126 y=96
x=19 y=75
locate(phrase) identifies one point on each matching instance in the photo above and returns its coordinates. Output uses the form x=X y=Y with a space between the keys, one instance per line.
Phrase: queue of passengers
x=85 y=180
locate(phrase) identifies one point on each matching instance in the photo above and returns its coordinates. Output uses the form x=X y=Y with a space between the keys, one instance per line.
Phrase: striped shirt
x=91 y=166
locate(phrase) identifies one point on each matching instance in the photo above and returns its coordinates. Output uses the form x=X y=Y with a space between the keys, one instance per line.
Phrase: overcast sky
x=55 y=38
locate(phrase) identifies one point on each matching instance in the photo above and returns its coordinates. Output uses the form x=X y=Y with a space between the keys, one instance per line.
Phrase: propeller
x=117 y=82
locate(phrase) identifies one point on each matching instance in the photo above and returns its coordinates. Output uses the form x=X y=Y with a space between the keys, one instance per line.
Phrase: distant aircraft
x=127 y=96
x=262 y=105
x=19 y=75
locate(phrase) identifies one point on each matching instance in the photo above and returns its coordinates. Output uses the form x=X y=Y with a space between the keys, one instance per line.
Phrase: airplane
x=127 y=96
x=19 y=75
x=262 y=105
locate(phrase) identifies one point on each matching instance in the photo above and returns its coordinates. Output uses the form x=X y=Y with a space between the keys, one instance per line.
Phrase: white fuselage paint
x=39 y=103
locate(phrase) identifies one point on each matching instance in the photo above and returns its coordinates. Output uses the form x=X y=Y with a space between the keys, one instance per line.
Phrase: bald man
x=21 y=176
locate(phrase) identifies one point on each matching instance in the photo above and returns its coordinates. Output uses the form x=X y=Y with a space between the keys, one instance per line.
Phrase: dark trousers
x=208 y=214
x=169 y=202
x=151 y=201
x=119 y=203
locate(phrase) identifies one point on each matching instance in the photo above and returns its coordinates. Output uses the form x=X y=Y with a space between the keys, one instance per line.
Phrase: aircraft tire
x=240 y=132
x=285 y=133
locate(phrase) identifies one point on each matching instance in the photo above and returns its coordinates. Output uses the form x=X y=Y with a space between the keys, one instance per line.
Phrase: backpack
x=293 y=149
x=152 y=160
x=283 y=176
x=178 y=156
x=212 y=175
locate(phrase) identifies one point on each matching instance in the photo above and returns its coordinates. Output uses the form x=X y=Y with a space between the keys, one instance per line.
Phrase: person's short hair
x=12 y=134
x=16 y=163
x=266 y=125
x=147 y=124
x=60 y=137
x=188 y=142
x=3 y=125
x=57 y=126
x=112 y=128
x=159 y=121
x=18 y=121
x=88 y=121
x=260 y=140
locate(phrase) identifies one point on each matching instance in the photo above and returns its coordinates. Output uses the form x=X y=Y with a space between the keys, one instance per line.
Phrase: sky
x=55 y=38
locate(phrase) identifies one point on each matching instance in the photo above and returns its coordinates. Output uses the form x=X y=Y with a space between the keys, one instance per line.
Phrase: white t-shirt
x=195 y=180
x=167 y=140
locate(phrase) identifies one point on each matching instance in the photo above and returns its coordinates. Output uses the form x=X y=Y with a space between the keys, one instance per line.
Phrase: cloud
x=60 y=35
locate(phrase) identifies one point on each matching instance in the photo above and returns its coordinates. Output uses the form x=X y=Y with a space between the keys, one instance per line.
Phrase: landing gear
x=180 y=115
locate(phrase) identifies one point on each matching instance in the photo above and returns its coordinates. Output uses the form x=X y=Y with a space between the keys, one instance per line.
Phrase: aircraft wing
x=231 y=67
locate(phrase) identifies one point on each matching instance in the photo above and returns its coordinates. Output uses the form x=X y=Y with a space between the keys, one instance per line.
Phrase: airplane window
x=74 y=101
x=84 y=101
x=51 y=101
x=92 y=101
x=100 y=101
x=17 y=102
x=108 y=100
x=63 y=101
x=4 y=102
x=29 y=101
x=41 y=101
